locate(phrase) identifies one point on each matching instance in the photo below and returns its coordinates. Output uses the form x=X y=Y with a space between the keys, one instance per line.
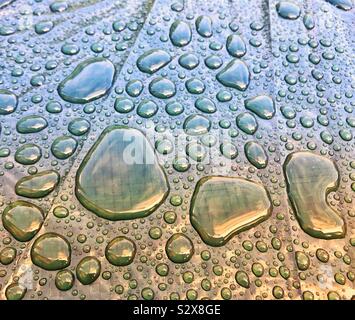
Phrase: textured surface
x=299 y=55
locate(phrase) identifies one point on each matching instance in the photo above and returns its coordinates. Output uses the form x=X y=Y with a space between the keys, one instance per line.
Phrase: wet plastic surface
x=304 y=63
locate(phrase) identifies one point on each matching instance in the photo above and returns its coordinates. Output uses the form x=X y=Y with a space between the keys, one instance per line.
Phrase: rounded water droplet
x=153 y=60
x=64 y=147
x=180 y=33
x=89 y=81
x=147 y=109
x=37 y=185
x=28 y=154
x=15 y=291
x=23 y=220
x=256 y=154
x=88 y=270
x=79 y=126
x=51 y=251
x=174 y=108
x=236 y=46
x=64 y=280
x=288 y=10
x=196 y=125
x=179 y=248
x=123 y=105
x=120 y=251
x=8 y=102
x=204 y=26
x=205 y=105
x=189 y=61
x=247 y=123
x=162 y=88
x=31 y=124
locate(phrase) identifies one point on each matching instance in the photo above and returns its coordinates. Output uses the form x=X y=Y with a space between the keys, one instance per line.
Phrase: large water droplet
x=256 y=155
x=247 y=123
x=180 y=33
x=342 y=4
x=88 y=270
x=261 y=105
x=28 y=154
x=31 y=124
x=204 y=26
x=196 y=125
x=89 y=81
x=8 y=102
x=235 y=75
x=310 y=178
x=236 y=46
x=132 y=186
x=288 y=10
x=51 y=251
x=162 y=88
x=64 y=147
x=179 y=248
x=38 y=185
x=23 y=220
x=217 y=216
x=120 y=251
x=153 y=60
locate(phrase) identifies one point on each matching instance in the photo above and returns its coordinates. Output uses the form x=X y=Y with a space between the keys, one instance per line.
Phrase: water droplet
x=147 y=109
x=180 y=33
x=217 y=217
x=261 y=105
x=89 y=81
x=162 y=88
x=38 y=185
x=204 y=26
x=229 y=150
x=31 y=124
x=196 y=151
x=213 y=62
x=15 y=291
x=8 y=102
x=256 y=154
x=302 y=260
x=196 y=125
x=51 y=251
x=7 y=255
x=310 y=178
x=308 y=21
x=179 y=248
x=64 y=147
x=205 y=105
x=342 y=4
x=104 y=189
x=124 y=105
x=120 y=251
x=64 y=280
x=247 y=123
x=153 y=60
x=189 y=61
x=235 y=75
x=44 y=27
x=174 y=108
x=88 y=270
x=28 y=154
x=195 y=86
x=23 y=220
x=288 y=10
x=79 y=126
x=134 y=88
x=242 y=279
x=236 y=46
